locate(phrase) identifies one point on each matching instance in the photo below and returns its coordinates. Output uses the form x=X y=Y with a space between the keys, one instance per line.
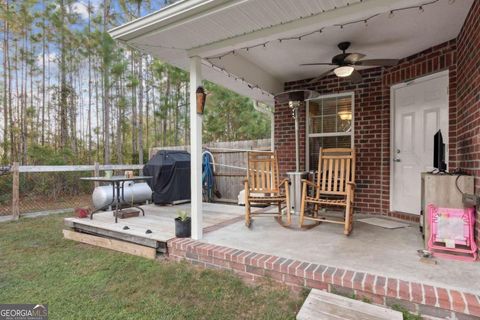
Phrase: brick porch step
x=322 y=305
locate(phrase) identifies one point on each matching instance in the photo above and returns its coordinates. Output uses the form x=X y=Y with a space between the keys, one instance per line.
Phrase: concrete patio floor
x=372 y=249
x=390 y=253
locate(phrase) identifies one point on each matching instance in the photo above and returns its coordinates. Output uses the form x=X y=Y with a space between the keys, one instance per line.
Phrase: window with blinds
x=329 y=125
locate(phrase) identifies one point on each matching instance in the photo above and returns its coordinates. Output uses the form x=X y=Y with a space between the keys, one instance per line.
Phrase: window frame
x=309 y=135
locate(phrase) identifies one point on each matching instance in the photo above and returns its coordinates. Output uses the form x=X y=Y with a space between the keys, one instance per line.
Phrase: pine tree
x=68 y=88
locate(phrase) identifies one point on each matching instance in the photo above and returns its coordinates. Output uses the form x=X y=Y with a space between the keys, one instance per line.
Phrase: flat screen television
x=439 y=152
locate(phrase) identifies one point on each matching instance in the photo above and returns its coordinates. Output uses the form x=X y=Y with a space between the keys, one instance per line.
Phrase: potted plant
x=183 y=225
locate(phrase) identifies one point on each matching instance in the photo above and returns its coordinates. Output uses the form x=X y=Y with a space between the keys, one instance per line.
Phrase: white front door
x=420 y=109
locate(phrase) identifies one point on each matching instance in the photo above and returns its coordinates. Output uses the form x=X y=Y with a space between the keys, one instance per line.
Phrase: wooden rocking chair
x=334 y=187
x=262 y=186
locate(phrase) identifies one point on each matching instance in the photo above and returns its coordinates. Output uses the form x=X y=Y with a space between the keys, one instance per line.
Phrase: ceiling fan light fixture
x=344 y=71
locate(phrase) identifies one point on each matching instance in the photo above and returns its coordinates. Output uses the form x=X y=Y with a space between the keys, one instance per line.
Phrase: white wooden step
x=321 y=305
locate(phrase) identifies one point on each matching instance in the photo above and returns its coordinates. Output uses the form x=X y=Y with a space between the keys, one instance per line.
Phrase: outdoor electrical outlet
x=471 y=200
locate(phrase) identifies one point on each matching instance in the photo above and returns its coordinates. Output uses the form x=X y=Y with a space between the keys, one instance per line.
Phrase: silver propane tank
x=133 y=193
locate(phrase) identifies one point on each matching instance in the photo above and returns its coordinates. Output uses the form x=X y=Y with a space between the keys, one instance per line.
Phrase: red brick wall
x=468 y=98
x=372 y=121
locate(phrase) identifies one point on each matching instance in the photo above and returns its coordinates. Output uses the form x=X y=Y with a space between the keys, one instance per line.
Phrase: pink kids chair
x=452 y=233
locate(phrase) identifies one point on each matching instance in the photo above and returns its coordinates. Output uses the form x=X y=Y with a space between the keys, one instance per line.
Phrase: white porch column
x=195 y=149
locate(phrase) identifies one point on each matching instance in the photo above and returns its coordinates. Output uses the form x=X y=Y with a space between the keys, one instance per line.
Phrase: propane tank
x=133 y=193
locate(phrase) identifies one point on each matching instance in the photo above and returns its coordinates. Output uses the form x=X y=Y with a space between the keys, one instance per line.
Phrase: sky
x=80 y=8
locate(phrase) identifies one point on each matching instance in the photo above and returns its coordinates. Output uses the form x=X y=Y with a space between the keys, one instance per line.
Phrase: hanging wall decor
x=201 y=99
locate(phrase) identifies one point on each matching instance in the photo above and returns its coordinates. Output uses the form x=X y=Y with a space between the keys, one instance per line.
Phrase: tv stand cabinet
x=441 y=190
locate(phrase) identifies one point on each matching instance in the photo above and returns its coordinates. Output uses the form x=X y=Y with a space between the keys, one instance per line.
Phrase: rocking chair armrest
x=282 y=183
x=310 y=183
x=351 y=184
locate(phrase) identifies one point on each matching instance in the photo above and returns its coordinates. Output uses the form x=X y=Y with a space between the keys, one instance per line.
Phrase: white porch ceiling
x=210 y=28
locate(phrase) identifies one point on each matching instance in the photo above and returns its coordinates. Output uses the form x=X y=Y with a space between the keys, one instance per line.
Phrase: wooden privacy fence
x=40 y=188
x=43 y=188
x=230 y=163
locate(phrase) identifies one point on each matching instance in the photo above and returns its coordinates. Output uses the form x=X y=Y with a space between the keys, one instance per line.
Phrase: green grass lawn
x=83 y=282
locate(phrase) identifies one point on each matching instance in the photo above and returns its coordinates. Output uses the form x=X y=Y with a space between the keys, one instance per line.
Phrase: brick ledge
x=251 y=266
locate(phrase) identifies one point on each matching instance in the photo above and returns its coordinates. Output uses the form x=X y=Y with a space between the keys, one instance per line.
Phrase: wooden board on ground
x=112 y=244
x=146 y=242
x=321 y=305
x=128 y=213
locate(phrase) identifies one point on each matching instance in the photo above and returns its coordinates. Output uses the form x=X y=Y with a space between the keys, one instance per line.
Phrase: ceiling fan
x=345 y=63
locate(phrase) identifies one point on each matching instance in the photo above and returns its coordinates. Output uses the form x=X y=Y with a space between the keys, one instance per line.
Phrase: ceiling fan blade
x=321 y=76
x=318 y=64
x=353 y=57
x=355 y=77
x=377 y=62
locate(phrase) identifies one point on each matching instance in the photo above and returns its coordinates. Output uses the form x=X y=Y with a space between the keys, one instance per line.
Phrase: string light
x=232 y=76
x=208 y=63
x=365 y=21
x=391 y=14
